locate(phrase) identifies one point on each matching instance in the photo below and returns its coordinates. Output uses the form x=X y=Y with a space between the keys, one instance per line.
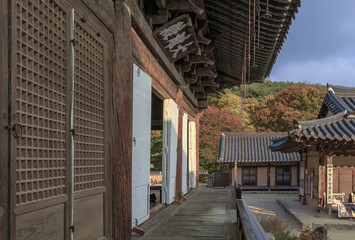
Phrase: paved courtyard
x=265 y=203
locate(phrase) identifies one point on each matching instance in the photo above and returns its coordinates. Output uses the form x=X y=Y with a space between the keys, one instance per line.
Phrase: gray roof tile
x=251 y=148
x=337 y=100
x=339 y=127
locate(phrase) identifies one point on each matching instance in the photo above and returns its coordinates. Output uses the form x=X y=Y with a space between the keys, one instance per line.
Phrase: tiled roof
x=251 y=148
x=337 y=100
x=339 y=127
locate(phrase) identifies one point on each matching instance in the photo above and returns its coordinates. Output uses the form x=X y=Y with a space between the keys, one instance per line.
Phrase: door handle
x=17 y=130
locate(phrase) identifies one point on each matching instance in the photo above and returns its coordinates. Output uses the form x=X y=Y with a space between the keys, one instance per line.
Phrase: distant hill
x=259 y=91
x=271 y=106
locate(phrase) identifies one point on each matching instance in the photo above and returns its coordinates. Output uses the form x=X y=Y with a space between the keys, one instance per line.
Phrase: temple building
x=254 y=165
x=327 y=149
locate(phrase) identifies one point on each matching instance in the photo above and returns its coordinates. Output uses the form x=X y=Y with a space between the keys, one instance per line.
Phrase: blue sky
x=320 y=46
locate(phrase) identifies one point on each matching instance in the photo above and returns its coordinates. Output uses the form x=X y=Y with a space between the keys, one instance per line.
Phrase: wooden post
x=329 y=181
x=268 y=176
x=197 y=121
x=4 y=158
x=178 y=192
x=122 y=108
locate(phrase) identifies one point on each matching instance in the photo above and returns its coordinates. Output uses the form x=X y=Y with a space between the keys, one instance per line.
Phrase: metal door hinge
x=73 y=41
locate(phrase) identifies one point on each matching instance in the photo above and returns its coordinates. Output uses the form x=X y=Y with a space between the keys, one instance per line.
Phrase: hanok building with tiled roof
x=327 y=145
x=254 y=165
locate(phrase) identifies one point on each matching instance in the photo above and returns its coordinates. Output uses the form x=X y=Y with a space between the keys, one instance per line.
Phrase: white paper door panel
x=184 y=153
x=170 y=135
x=142 y=92
x=192 y=154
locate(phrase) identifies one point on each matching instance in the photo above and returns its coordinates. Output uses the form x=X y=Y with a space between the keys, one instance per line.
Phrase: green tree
x=156 y=149
x=233 y=102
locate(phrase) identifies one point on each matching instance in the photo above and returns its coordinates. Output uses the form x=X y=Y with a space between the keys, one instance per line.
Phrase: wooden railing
x=249 y=227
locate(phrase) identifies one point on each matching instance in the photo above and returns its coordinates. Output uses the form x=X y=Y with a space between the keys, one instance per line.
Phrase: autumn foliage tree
x=277 y=113
x=213 y=122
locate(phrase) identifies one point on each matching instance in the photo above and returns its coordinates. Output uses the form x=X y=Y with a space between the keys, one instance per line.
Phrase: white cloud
x=336 y=71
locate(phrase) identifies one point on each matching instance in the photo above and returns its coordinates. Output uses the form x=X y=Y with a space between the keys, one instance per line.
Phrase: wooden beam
x=196 y=88
x=200 y=32
x=138 y=230
x=203 y=103
x=161 y=4
x=184 y=6
x=122 y=124
x=196 y=59
x=205 y=72
x=191 y=80
x=160 y=18
x=209 y=83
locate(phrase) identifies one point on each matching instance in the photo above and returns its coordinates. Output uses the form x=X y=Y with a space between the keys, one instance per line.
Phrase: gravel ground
x=264 y=203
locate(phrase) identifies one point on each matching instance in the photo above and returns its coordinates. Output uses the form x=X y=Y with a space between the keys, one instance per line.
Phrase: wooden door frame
x=105 y=37
x=4 y=157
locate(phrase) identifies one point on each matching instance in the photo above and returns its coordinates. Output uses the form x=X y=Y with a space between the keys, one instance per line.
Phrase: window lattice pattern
x=88 y=111
x=41 y=87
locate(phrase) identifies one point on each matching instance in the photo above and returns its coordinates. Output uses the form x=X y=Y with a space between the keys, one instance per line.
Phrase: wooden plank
x=89 y=217
x=104 y=10
x=35 y=206
x=43 y=224
x=203 y=216
x=121 y=130
x=4 y=48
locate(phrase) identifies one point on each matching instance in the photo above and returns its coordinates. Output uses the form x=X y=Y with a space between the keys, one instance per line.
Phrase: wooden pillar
x=197 y=121
x=321 y=185
x=178 y=192
x=122 y=107
x=234 y=174
x=268 y=176
x=329 y=180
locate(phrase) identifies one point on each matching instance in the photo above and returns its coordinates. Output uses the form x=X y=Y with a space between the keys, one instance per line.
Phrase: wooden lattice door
x=49 y=187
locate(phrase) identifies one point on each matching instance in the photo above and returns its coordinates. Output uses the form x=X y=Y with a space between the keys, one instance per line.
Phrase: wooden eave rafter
x=231 y=18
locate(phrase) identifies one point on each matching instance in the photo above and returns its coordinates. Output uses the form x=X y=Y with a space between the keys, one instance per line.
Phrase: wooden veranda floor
x=202 y=216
